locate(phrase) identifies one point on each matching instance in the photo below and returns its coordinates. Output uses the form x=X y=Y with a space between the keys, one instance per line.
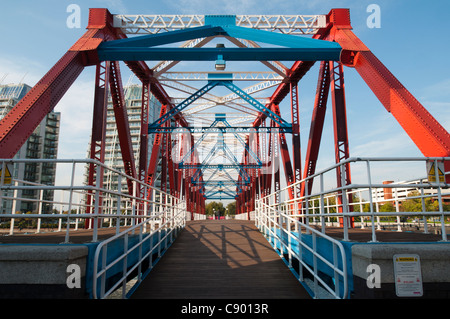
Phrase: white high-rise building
x=113 y=157
x=42 y=144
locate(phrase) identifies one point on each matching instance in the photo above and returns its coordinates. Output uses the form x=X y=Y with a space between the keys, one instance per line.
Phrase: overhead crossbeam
x=208 y=87
x=151 y=24
x=148 y=47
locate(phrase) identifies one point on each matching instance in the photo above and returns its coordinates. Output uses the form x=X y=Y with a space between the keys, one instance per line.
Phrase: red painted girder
x=425 y=131
x=151 y=170
x=143 y=147
x=296 y=143
x=98 y=136
x=284 y=151
x=121 y=116
x=22 y=120
x=317 y=122
x=342 y=152
x=429 y=136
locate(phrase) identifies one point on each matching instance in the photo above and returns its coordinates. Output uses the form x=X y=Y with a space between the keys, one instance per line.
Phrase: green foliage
x=215 y=208
x=231 y=208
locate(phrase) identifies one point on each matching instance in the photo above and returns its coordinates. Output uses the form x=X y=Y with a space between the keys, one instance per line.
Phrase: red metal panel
x=97 y=147
x=284 y=151
x=121 y=116
x=343 y=174
x=425 y=131
x=151 y=170
x=143 y=145
x=296 y=144
x=22 y=120
x=317 y=121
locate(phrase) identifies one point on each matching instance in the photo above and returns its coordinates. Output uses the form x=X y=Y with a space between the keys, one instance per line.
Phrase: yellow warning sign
x=406 y=259
x=6 y=175
x=432 y=169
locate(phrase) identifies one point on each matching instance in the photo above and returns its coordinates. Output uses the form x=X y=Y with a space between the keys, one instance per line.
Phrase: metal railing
x=277 y=227
x=107 y=208
x=130 y=255
x=295 y=224
x=362 y=201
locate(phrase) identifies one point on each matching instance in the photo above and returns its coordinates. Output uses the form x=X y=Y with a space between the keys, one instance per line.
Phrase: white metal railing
x=277 y=227
x=151 y=24
x=373 y=199
x=107 y=207
x=154 y=236
x=362 y=201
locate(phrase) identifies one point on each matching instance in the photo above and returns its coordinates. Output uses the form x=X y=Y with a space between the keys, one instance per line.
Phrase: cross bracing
x=190 y=64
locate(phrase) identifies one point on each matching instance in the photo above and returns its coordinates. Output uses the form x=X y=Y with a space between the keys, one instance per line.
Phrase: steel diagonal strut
x=332 y=41
x=432 y=139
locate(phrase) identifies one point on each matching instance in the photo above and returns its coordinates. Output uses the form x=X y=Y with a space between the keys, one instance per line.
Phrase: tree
x=232 y=208
x=215 y=208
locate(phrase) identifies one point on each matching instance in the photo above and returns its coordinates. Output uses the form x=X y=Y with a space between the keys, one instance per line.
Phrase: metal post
x=41 y=196
x=13 y=208
x=441 y=208
x=374 y=236
x=96 y=205
x=70 y=203
x=119 y=203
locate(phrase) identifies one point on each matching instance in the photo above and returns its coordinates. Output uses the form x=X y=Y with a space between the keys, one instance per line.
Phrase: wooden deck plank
x=221 y=260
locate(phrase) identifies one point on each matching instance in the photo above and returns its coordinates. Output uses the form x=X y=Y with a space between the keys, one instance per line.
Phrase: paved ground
x=221 y=260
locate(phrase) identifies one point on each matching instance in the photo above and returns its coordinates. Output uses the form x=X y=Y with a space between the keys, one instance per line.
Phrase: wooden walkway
x=227 y=259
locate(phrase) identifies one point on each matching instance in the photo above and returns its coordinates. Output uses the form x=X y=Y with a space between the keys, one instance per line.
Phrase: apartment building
x=42 y=144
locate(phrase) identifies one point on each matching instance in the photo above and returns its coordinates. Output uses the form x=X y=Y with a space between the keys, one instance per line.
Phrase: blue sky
x=412 y=42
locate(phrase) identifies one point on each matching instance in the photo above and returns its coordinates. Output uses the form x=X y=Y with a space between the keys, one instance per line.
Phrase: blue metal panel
x=220 y=20
x=183 y=105
x=227 y=129
x=152 y=40
x=220 y=76
x=211 y=54
x=256 y=104
x=294 y=48
x=219 y=166
x=285 y=40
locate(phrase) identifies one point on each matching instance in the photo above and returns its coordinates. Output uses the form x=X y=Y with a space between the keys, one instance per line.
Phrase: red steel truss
x=429 y=136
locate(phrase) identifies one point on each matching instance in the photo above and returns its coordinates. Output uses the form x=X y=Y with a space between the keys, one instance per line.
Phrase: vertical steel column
x=284 y=151
x=123 y=128
x=317 y=121
x=143 y=145
x=171 y=168
x=296 y=144
x=143 y=149
x=19 y=123
x=98 y=137
x=154 y=156
x=340 y=133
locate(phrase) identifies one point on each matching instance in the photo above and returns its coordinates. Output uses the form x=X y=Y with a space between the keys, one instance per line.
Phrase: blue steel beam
x=220 y=183
x=163 y=38
x=180 y=107
x=233 y=88
x=227 y=129
x=257 y=105
x=219 y=166
x=294 y=48
x=211 y=54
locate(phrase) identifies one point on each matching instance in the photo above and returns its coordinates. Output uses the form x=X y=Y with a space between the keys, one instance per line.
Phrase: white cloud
x=20 y=70
x=114 y=6
x=76 y=120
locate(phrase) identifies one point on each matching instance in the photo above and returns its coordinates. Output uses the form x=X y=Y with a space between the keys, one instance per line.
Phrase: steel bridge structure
x=197 y=167
x=220 y=135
